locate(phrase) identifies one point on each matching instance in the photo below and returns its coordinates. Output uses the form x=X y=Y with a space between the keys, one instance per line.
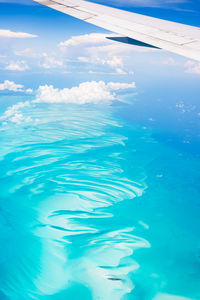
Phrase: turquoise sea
x=99 y=201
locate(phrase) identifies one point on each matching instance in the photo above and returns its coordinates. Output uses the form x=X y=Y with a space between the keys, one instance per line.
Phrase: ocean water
x=95 y=204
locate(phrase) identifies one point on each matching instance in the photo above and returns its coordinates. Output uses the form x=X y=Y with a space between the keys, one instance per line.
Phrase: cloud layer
x=87 y=92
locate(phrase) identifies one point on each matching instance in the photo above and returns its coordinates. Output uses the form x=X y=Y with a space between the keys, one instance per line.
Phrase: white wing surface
x=174 y=37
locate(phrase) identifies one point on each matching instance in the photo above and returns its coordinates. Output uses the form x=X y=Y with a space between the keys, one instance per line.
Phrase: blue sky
x=58 y=48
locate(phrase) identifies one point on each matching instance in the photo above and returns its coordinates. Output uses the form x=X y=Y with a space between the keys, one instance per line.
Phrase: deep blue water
x=99 y=202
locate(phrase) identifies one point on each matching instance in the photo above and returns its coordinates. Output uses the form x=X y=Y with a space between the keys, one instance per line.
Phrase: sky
x=41 y=46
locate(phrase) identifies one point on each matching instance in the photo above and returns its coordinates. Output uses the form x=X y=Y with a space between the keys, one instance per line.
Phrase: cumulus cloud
x=192 y=67
x=14 y=114
x=19 y=65
x=92 y=38
x=11 y=86
x=97 y=42
x=86 y=92
x=6 y=33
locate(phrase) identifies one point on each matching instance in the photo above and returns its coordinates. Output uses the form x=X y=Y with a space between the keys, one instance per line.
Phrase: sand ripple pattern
x=61 y=174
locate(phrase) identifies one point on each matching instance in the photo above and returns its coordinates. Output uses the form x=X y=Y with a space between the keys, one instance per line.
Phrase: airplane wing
x=134 y=28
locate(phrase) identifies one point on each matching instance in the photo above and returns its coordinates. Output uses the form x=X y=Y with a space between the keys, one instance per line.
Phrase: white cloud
x=11 y=86
x=28 y=52
x=120 y=71
x=17 y=118
x=14 y=114
x=192 y=67
x=29 y=91
x=6 y=33
x=115 y=86
x=92 y=38
x=189 y=67
x=91 y=45
x=170 y=61
x=86 y=92
x=100 y=53
x=99 y=42
x=114 y=62
x=19 y=65
x=50 y=62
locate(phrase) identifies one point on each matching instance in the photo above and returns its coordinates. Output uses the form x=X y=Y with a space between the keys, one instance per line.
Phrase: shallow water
x=95 y=206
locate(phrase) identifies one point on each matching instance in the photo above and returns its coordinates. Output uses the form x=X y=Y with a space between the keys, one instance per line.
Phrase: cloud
x=28 y=52
x=169 y=61
x=11 y=86
x=14 y=114
x=92 y=38
x=99 y=42
x=50 y=62
x=86 y=92
x=5 y=33
x=192 y=67
x=29 y=91
x=19 y=65
x=114 y=62
x=43 y=60
x=92 y=49
x=96 y=51
x=189 y=67
x=115 y=86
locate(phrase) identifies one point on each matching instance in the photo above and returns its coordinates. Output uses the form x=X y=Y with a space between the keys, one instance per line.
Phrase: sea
x=100 y=201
